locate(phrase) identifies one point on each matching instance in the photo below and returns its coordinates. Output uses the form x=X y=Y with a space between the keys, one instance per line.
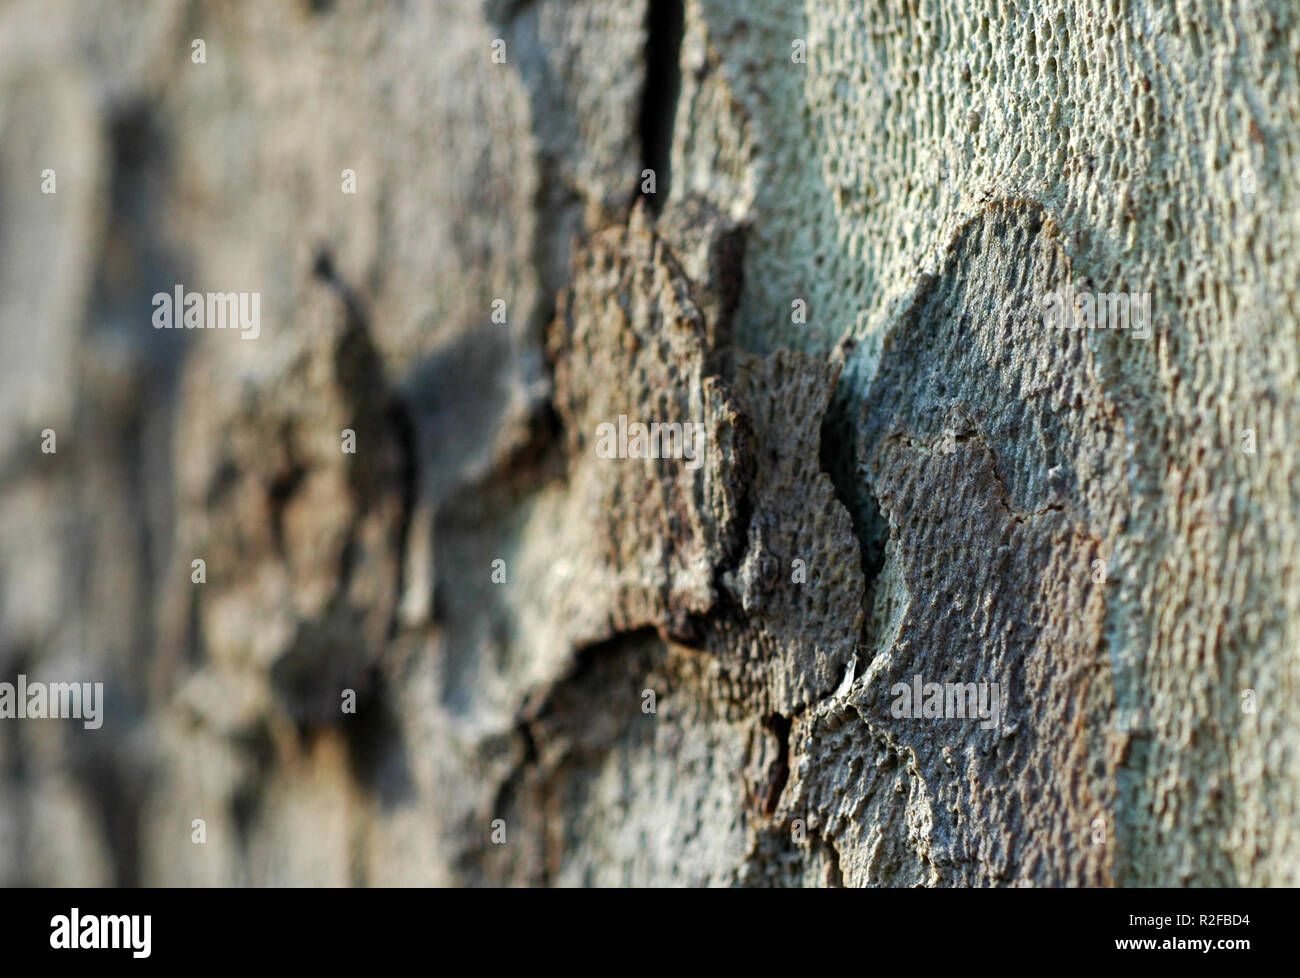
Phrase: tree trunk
x=968 y=555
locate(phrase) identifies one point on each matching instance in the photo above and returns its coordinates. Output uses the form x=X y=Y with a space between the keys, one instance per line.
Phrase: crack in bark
x=664 y=29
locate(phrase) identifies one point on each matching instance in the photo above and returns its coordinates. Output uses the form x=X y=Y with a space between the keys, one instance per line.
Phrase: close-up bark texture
x=823 y=235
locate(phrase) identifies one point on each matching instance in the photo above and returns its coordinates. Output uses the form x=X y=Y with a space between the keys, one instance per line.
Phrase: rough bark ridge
x=571 y=669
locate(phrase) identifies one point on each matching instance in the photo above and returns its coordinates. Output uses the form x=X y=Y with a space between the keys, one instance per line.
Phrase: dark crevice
x=665 y=24
x=377 y=747
x=403 y=427
x=323 y=658
x=129 y=437
x=527 y=775
x=555 y=718
x=840 y=462
x=780 y=727
x=321 y=661
x=115 y=782
x=585 y=659
x=380 y=417
x=280 y=491
x=245 y=801
x=244 y=805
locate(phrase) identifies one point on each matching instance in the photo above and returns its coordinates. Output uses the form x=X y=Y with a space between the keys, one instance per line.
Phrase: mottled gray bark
x=572 y=669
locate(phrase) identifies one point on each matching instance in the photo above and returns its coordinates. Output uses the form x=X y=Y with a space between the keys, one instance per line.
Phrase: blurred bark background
x=572 y=670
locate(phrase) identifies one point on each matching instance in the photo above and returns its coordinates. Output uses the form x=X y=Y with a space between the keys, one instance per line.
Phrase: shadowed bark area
x=683 y=442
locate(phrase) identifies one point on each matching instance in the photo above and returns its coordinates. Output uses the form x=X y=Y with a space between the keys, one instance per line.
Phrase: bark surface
x=576 y=670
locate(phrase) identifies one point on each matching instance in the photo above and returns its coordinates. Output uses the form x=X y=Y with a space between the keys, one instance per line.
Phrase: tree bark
x=831 y=242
